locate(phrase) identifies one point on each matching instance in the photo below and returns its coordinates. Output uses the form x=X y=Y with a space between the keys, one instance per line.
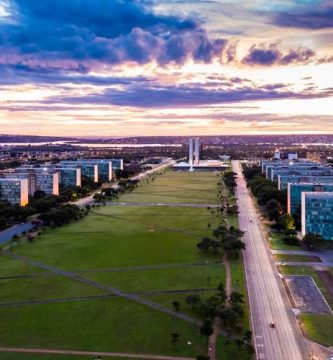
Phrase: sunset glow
x=169 y=67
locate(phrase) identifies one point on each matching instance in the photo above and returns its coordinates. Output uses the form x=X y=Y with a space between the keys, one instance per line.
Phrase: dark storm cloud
x=108 y=31
x=313 y=16
x=270 y=54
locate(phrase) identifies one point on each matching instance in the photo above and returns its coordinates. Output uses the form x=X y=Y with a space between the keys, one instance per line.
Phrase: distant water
x=103 y=145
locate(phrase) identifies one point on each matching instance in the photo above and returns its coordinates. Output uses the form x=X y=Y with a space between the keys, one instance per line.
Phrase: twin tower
x=194 y=151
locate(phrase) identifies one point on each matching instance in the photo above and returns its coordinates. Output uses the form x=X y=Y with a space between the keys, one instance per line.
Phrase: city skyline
x=158 y=67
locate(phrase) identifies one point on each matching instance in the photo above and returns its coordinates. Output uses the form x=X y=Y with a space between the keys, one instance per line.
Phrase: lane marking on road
x=260 y=345
x=261 y=356
x=259 y=336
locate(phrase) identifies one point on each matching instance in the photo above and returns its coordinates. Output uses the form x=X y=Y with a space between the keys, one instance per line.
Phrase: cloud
x=313 y=17
x=107 y=31
x=159 y=96
x=270 y=54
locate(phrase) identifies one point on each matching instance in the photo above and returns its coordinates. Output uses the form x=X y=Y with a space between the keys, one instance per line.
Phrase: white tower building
x=197 y=151
x=190 y=151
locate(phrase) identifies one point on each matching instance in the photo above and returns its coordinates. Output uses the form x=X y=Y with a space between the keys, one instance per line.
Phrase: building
x=88 y=169
x=285 y=163
x=272 y=170
x=196 y=151
x=195 y=164
x=224 y=158
x=317 y=214
x=190 y=151
x=277 y=154
x=47 y=181
x=313 y=156
x=11 y=174
x=69 y=177
x=306 y=171
x=295 y=193
x=208 y=165
x=117 y=164
x=15 y=191
x=105 y=167
x=283 y=180
x=292 y=156
x=42 y=179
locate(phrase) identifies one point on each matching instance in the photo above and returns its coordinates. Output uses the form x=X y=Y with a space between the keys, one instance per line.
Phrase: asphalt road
x=7 y=234
x=267 y=297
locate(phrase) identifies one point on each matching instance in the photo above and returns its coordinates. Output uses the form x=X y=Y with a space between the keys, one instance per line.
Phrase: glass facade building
x=88 y=169
x=41 y=178
x=69 y=177
x=317 y=214
x=295 y=193
x=22 y=175
x=314 y=171
x=15 y=191
x=283 y=180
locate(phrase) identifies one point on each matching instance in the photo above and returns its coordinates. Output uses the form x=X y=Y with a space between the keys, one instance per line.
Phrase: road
x=7 y=234
x=267 y=297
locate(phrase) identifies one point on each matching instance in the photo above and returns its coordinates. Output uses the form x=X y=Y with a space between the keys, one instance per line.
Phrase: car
x=272 y=324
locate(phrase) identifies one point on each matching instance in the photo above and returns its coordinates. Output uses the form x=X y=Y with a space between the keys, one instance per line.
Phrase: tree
x=204 y=245
x=236 y=298
x=193 y=300
x=174 y=338
x=286 y=221
x=273 y=209
x=176 y=305
x=313 y=241
x=206 y=328
x=290 y=237
x=99 y=198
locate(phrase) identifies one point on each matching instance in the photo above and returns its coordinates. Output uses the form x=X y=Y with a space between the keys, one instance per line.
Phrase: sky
x=166 y=67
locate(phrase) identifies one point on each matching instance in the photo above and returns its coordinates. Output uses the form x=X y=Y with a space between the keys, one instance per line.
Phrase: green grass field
x=123 y=238
x=278 y=244
x=319 y=328
x=177 y=187
x=296 y=258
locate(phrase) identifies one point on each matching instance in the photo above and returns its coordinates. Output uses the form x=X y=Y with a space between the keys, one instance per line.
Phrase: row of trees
x=230 y=312
x=274 y=201
x=229 y=179
x=226 y=240
x=62 y=214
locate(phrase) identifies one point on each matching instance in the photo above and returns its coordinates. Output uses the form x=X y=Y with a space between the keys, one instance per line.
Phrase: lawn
x=278 y=244
x=112 y=325
x=296 y=258
x=177 y=187
x=124 y=236
x=319 y=327
x=135 y=241
x=21 y=356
